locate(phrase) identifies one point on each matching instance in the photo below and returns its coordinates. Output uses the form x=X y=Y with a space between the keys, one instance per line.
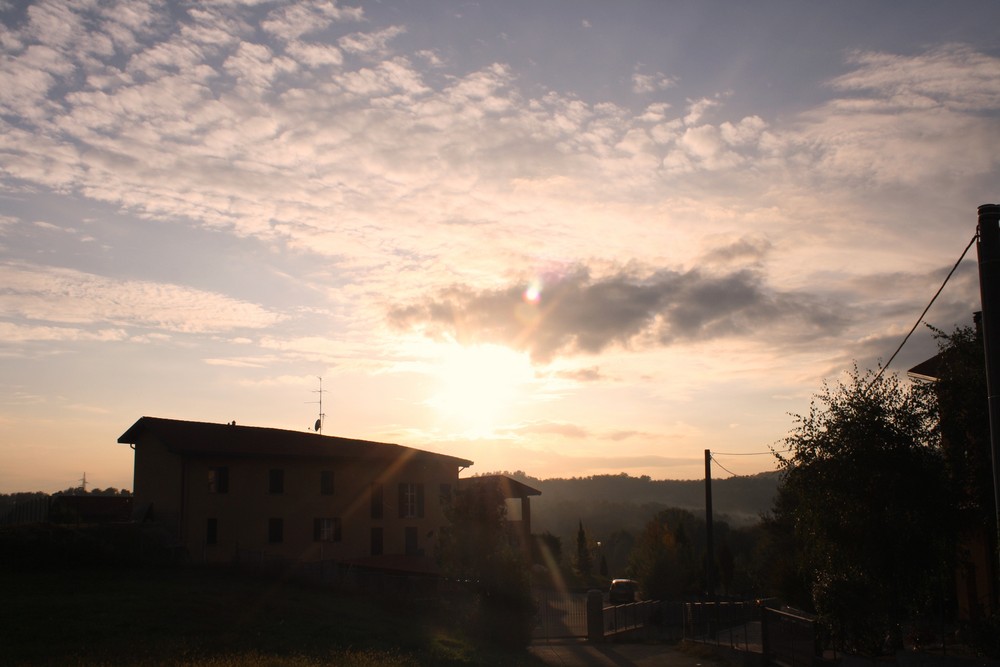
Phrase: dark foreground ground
x=215 y=618
x=572 y=653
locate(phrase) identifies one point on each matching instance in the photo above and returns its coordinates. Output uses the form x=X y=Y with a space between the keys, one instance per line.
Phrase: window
x=376 y=501
x=218 y=480
x=276 y=481
x=211 y=531
x=445 y=494
x=411 y=501
x=376 y=541
x=275 y=530
x=326 y=482
x=326 y=530
x=410 y=539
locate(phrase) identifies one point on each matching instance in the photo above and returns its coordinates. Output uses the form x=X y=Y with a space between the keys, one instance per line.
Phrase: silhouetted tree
x=959 y=390
x=865 y=498
x=546 y=549
x=661 y=559
x=584 y=563
x=475 y=547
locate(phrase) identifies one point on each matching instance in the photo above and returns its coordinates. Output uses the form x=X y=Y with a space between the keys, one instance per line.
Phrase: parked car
x=623 y=591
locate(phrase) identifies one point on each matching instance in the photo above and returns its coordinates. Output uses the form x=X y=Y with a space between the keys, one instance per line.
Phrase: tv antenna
x=318 y=426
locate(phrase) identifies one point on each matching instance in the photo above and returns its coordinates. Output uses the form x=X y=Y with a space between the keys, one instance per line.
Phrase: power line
x=722 y=466
x=921 y=318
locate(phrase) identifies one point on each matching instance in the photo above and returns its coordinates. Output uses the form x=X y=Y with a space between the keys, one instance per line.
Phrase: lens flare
x=533 y=293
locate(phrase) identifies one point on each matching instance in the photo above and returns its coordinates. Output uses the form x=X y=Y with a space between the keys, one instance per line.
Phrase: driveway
x=579 y=653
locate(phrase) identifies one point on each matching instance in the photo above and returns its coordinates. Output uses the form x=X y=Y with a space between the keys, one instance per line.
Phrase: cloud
x=578 y=314
x=11 y=332
x=906 y=120
x=742 y=250
x=549 y=428
x=65 y=296
x=370 y=43
x=651 y=83
x=591 y=374
x=291 y=23
x=953 y=76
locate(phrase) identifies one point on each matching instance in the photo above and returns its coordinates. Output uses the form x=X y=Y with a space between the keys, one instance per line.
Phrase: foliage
x=959 y=390
x=217 y=617
x=546 y=550
x=664 y=560
x=584 y=561
x=866 y=502
x=475 y=548
x=46 y=546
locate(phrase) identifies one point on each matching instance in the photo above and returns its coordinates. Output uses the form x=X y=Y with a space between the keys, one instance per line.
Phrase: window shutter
x=420 y=500
x=317 y=529
x=402 y=500
x=376 y=491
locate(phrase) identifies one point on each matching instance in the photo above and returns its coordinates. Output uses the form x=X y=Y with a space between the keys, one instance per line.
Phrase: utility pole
x=988 y=249
x=710 y=538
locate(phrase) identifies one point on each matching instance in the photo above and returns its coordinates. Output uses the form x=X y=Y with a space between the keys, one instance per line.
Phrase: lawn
x=217 y=617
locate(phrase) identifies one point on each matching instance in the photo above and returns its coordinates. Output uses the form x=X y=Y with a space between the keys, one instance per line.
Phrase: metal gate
x=560 y=615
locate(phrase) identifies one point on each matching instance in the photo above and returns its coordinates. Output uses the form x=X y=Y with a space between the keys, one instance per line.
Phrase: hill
x=609 y=503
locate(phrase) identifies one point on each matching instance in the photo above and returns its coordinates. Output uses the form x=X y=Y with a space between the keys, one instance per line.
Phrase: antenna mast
x=318 y=426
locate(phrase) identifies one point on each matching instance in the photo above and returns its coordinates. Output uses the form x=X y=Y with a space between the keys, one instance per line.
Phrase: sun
x=478 y=386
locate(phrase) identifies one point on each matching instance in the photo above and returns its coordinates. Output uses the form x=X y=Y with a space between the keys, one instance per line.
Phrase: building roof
x=929 y=369
x=511 y=488
x=205 y=439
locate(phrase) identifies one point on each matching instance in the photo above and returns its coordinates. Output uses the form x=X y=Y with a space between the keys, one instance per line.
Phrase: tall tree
x=584 y=563
x=864 y=494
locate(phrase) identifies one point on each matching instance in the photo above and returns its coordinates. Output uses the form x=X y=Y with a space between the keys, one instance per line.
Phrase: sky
x=569 y=237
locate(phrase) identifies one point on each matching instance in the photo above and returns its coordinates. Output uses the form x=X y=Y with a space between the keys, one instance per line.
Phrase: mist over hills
x=609 y=503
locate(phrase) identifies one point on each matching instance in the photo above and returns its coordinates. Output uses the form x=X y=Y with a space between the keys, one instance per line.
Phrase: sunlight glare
x=479 y=385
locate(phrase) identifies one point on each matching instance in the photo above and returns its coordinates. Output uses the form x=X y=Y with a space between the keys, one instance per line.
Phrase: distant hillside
x=606 y=503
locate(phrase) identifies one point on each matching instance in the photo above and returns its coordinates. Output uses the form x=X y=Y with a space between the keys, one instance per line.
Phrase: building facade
x=229 y=492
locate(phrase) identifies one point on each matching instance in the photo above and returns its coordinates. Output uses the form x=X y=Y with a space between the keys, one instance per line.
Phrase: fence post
x=765 y=644
x=595 y=615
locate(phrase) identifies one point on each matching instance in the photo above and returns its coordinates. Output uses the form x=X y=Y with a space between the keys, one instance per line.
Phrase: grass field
x=218 y=618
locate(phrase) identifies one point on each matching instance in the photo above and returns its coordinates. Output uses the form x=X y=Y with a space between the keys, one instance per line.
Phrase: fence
x=781 y=637
x=733 y=624
x=15 y=512
x=624 y=618
x=350 y=577
x=560 y=614
x=789 y=639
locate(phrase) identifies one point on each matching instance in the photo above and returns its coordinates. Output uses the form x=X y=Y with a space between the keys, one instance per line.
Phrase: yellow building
x=229 y=491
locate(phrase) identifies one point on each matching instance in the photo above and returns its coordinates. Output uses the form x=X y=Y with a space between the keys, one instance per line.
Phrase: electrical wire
x=921 y=318
x=712 y=457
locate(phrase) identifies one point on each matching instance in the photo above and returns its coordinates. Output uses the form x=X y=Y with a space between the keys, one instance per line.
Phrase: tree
x=866 y=500
x=546 y=550
x=957 y=385
x=584 y=562
x=661 y=560
x=475 y=548
x=959 y=391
